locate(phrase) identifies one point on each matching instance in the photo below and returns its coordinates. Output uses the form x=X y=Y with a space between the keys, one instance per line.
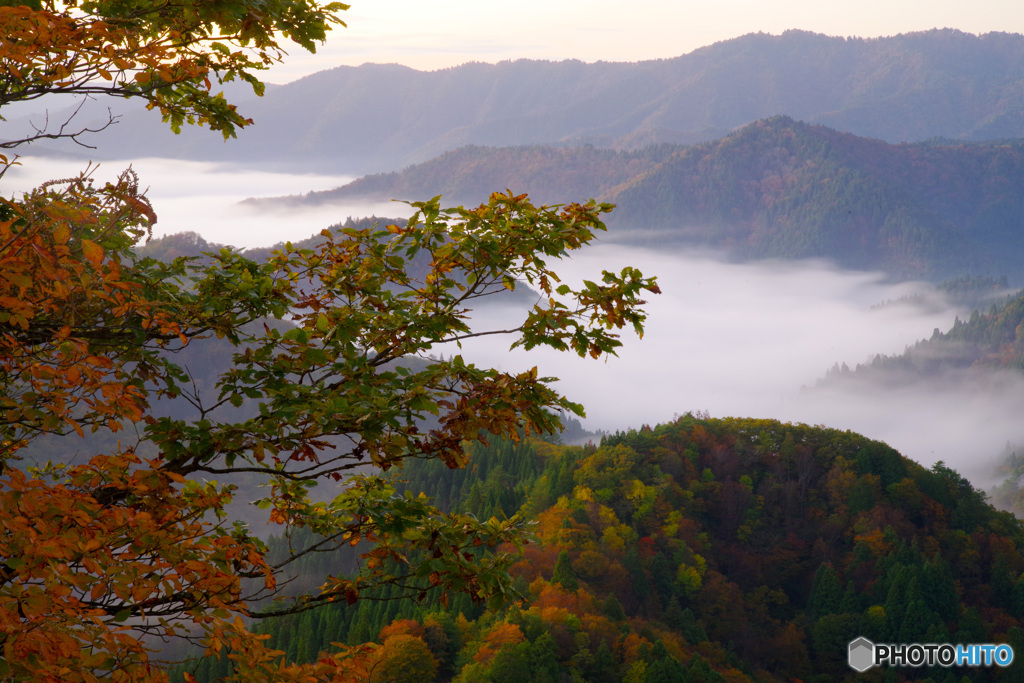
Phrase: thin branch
x=40 y=133
x=473 y=335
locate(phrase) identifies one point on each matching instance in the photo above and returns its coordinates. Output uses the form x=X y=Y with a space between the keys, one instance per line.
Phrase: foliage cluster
x=129 y=541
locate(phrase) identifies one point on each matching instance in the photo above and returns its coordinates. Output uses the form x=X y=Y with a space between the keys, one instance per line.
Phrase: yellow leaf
x=61 y=233
x=93 y=252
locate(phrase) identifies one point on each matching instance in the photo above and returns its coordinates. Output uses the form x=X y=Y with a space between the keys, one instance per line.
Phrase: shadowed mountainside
x=777 y=188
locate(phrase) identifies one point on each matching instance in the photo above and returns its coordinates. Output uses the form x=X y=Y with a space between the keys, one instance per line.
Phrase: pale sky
x=444 y=33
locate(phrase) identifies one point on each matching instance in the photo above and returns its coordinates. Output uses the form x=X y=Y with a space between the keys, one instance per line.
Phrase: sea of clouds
x=752 y=340
x=730 y=339
x=207 y=197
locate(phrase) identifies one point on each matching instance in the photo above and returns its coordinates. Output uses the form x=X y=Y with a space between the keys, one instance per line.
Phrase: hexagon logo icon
x=862 y=654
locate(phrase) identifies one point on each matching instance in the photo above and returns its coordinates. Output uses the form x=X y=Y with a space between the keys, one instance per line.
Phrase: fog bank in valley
x=752 y=340
x=745 y=340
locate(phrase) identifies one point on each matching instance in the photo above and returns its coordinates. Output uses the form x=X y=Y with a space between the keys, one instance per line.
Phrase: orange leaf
x=93 y=252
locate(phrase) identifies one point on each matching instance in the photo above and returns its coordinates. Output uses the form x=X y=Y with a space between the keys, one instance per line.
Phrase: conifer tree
x=564 y=574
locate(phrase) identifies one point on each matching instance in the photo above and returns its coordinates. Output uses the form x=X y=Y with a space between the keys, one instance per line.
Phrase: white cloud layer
x=731 y=339
x=205 y=198
x=746 y=340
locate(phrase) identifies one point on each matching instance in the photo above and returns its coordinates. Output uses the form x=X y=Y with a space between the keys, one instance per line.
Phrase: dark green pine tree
x=896 y=600
x=637 y=576
x=564 y=574
x=674 y=614
x=972 y=628
x=663 y=578
x=359 y=630
x=701 y=672
x=1015 y=639
x=664 y=668
x=691 y=628
x=1001 y=580
x=511 y=665
x=852 y=601
x=604 y=668
x=916 y=622
x=826 y=592
x=582 y=660
x=612 y=608
x=939 y=588
x=307 y=637
x=1016 y=606
x=543 y=656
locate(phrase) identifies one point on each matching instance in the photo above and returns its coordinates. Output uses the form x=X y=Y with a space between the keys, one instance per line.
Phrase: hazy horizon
x=444 y=34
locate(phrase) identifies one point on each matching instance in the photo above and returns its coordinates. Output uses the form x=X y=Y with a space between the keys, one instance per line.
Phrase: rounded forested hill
x=784 y=542
x=711 y=550
x=776 y=188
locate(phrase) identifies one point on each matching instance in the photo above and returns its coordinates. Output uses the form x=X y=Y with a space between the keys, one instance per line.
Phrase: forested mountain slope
x=708 y=550
x=377 y=117
x=786 y=189
x=991 y=339
x=777 y=188
x=470 y=174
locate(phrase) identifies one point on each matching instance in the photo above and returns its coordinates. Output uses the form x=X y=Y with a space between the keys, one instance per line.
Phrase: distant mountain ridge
x=372 y=118
x=777 y=188
x=784 y=189
x=469 y=175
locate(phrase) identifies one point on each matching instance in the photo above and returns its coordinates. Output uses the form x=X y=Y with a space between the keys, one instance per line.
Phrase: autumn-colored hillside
x=469 y=175
x=708 y=550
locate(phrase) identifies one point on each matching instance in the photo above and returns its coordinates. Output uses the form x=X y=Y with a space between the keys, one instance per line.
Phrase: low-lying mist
x=752 y=340
x=205 y=197
x=745 y=340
